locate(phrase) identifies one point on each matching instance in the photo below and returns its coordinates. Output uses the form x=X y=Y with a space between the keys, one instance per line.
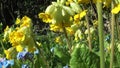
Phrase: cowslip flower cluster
x=20 y=37
x=59 y=16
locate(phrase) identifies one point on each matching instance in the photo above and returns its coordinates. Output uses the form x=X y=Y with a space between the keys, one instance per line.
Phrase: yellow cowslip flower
x=70 y=30
x=10 y=53
x=95 y=23
x=108 y=48
x=17 y=21
x=45 y=17
x=7 y=54
x=78 y=35
x=71 y=18
x=58 y=39
x=16 y=37
x=116 y=9
x=38 y=43
x=82 y=14
x=20 y=36
x=19 y=48
x=77 y=18
x=68 y=2
x=7 y=31
x=26 y=21
x=55 y=28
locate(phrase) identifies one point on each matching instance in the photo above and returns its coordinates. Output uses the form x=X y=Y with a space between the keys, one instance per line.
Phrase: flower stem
x=67 y=39
x=117 y=28
x=2 y=45
x=112 y=39
x=41 y=55
x=89 y=35
x=101 y=36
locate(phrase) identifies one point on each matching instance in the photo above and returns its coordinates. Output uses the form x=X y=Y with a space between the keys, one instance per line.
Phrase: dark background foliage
x=11 y=9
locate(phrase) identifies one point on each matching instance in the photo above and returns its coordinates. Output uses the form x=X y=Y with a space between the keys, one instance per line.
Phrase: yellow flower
x=95 y=23
x=20 y=36
x=38 y=43
x=79 y=16
x=7 y=54
x=58 y=39
x=19 y=48
x=16 y=37
x=70 y=30
x=78 y=35
x=26 y=21
x=7 y=31
x=83 y=13
x=10 y=53
x=55 y=28
x=17 y=21
x=68 y=2
x=45 y=17
x=116 y=9
x=76 y=17
x=108 y=48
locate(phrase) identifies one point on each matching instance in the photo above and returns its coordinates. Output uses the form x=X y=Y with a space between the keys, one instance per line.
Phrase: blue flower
x=108 y=37
x=52 y=49
x=29 y=56
x=66 y=66
x=36 y=51
x=25 y=55
x=25 y=66
x=21 y=55
x=6 y=63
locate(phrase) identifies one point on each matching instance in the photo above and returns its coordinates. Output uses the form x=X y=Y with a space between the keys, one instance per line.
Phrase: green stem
x=101 y=36
x=117 y=28
x=89 y=35
x=2 y=45
x=41 y=55
x=67 y=39
x=112 y=40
